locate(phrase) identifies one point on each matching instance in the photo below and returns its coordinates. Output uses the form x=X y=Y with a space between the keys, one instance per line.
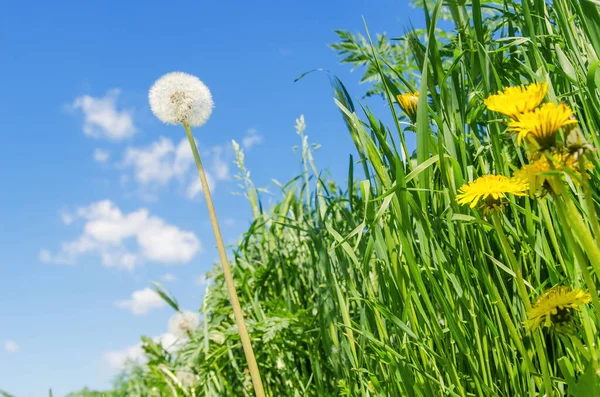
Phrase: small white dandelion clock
x=181 y=324
x=187 y=378
x=180 y=98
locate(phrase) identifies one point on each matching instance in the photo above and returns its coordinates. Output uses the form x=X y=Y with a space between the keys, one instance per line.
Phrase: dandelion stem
x=516 y=266
x=591 y=207
x=578 y=226
x=512 y=330
x=235 y=303
x=514 y=263
x=581 y=265
x=543 y=364
x=582 y=349
x=550 y=228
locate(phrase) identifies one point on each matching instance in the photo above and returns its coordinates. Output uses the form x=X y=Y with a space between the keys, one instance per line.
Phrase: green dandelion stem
x=512 y=330
x=543 y=204
x=589 y=200
x=595 y=302
x=237 y=309
x=578 y=226
x=514 y=263
x=582 y=349
x=581 y=265
x=543 y=364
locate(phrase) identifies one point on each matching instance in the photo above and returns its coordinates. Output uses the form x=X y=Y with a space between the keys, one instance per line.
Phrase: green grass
x=388 y=287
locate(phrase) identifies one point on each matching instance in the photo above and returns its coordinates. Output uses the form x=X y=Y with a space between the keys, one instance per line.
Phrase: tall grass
x=386 y=286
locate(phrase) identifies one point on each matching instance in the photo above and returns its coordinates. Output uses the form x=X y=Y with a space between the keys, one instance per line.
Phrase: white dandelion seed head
x=280 y=363
x=181 y=324
x=178 y=98
x=187 y=378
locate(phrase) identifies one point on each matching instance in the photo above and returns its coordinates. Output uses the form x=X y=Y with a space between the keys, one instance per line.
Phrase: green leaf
x=165 y=295
x=593 y=77
x=588 y=384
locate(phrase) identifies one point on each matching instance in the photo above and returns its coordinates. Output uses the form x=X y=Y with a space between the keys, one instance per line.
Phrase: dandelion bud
x=408 y=102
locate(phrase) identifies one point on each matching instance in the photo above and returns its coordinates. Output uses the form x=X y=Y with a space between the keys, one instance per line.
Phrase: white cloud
x=252 y=138
x=195 y=186
x=156 y=165
x=142 y=302
x=228 y=221
x=101 y=156
x=66 y=217
x=118 y=359
x=160 y=162
x=108 y=229
x=102 y=119
x=219 y=165
x=201 y=280
x=45 y=256
x=11 y=346
x=169 y=277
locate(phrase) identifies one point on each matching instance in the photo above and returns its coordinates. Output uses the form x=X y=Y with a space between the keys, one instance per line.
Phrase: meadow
x=468 y=266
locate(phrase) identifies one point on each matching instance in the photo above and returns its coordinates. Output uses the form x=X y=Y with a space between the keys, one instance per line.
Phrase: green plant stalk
x=577 y=343
x=591 y=208
x=578 y=226
x=516 y=266
x=206 y=347
x=233 y=297
x=581 y=261
x=549 y=227
x=512 y=330
x=543 y=364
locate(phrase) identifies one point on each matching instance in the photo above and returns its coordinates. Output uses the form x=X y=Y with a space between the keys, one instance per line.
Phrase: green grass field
x=388 y=286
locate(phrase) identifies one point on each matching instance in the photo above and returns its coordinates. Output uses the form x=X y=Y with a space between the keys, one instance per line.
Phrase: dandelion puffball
x=183 y=323
x=178 y=98
x=187 y=378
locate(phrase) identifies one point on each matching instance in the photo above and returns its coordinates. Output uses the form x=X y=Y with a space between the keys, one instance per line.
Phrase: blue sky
x=98 y=196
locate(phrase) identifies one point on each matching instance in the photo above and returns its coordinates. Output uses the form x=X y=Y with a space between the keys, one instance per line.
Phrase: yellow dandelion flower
x=408 y=102
x=555 y=308
x=490 y=188
x=542 y=124
x=535 y=173
x=516 y=100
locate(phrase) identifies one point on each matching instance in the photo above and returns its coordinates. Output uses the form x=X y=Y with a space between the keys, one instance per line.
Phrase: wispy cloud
x=252 y=138
x=195 y=186
x=101 y=155
x=228 y=221
x=66 y=217
x=142 y=302
x=168 y=277
x=11 y=346
x=107 y=232
x=158 y=164
x=201 y=280
x=220 y=166
x=119 y=358
x=102 y=119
